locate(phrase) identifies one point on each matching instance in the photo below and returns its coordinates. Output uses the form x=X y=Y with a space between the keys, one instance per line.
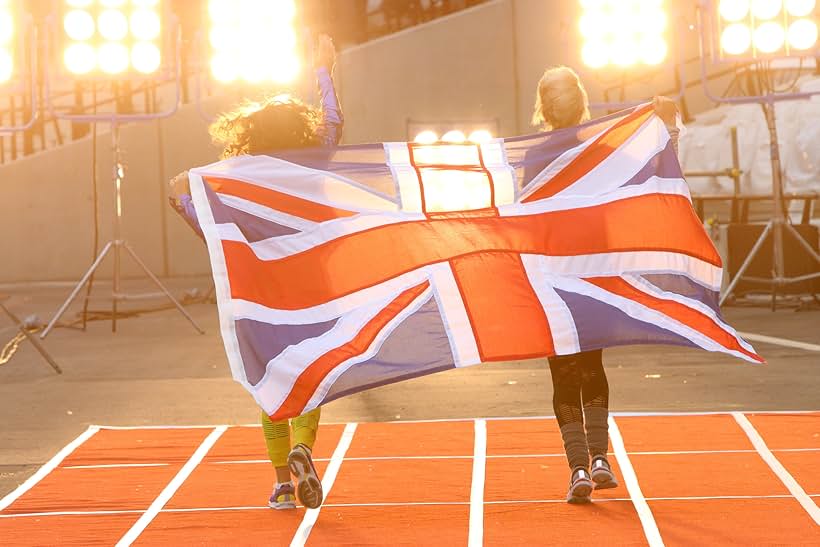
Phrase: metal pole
x=117 y=167
x=778 y=275
x=735 y=174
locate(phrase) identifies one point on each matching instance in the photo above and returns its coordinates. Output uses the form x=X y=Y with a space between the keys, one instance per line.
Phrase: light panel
x=7 y=38
x=112 y=37
x=623 y=33
x=253 y=40
x=752 y=29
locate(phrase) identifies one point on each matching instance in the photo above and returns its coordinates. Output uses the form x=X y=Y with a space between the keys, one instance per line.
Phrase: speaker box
x=797 y=262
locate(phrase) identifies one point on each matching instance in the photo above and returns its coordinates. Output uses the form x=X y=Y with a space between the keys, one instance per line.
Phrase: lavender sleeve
x=333 y=120
x=185 y=207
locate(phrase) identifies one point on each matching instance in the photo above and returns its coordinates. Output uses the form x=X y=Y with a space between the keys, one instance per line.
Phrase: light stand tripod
x=116 y=245
x=777 y=227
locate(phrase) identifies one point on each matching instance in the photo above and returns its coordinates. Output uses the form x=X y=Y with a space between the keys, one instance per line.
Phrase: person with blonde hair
x=580 y=388
x=276 y=123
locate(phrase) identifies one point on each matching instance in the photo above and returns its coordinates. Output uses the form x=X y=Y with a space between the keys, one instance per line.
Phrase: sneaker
x=602 y=474
x=283 y=497
x=580 y=486
x=309 y=487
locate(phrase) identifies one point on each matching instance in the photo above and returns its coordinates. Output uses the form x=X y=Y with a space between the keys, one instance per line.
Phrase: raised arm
x=667 y=111
x=332 y=123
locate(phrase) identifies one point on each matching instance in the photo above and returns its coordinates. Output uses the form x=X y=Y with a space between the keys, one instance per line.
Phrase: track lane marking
x=49 y=466
x=306 y=526
x=476 y=526
x=782 y=473
x=779 y=341
x=650 y=527
x=170 y=489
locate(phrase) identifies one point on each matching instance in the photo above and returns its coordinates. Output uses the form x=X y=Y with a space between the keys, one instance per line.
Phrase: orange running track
x=686 y=479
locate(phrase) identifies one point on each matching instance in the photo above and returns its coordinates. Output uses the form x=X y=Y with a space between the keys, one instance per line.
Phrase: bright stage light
x=616 y=32
x=80 y=58
x=78 y=25
x=769 y=37
x=766 y=9
x=145 y=24
x=736 y=39
x=766 y=28
x=113 y=58
x=802 y=34
x=253 y=40
x=6 y=65
x=480 y=136
x=6 y=25
x=454 y=136
x=799 y=8
x=112 y=37
x=426 y=137
x=734 y=10
x=145 y=57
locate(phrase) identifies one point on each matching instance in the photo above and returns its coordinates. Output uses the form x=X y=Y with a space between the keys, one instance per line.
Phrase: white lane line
x=650 y=527
x=332 y=470
x=476 y=535
x=781 y=472
x=115 y=465
x=170 y=489
x=49 y=466
x=779 y=341
x=388 y=504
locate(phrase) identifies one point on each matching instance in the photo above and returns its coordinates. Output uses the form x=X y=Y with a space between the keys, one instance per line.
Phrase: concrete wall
x=479 y=64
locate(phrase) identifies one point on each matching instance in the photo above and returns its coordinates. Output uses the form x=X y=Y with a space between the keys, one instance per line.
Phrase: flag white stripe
x=618 y=168
x=266 y=213
x=648 y=288
x=277 y=247
x=219 y=270
x=323 y=187
x=643 y=313
x=560 y=163
x=281 y=372
x=653 y=185
x=562 y=325
x=325 y=386
x=244 y=309
x=634 y=262
x=456 y=322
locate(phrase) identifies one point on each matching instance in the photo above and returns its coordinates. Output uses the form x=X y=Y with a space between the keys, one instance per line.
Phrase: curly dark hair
x=276 y=122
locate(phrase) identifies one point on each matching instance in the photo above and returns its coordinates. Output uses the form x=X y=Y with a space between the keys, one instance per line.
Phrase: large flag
x=341 y=269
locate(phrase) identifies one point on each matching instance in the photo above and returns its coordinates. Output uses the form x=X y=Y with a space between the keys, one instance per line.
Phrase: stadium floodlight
x=480 y=136
x=7 y=39
x=623 y=33
x=764 y=29
x=18 y=59
x=105 y=38
x=426 y=137
x=253 y=41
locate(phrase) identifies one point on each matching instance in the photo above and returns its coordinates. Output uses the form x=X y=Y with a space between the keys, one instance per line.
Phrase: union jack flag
x=341 y=269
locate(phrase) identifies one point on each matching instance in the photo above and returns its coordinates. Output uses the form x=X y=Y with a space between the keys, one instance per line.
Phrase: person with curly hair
x=276 y=123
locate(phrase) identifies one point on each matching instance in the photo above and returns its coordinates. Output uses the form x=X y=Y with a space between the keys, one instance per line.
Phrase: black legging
x=578 y=381
x=581 y=403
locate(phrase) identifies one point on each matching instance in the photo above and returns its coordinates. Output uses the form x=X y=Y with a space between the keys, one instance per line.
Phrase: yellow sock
x=277 y=439
x=305 y=427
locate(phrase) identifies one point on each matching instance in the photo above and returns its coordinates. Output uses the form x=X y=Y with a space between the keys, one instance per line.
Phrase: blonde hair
x=276 y=122
x=560 y=100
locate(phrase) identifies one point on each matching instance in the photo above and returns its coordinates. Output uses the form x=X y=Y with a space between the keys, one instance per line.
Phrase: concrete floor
x=158 y=370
